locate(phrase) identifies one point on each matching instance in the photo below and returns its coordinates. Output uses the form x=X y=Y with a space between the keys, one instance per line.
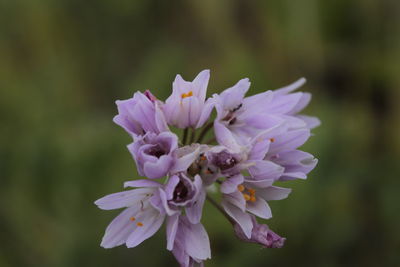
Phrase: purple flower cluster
x=254 y=143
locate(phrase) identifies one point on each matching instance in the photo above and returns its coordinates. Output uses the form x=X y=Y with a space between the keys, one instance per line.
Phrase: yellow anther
x=246 y=197
x=203 y=158
x=240 y=188
x=251 y=191
x=132 y=219
x=139 y=224
x=253 y=198
x=184 y=95
x=272 y=140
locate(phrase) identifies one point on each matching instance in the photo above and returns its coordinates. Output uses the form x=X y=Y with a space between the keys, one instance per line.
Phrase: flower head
x=255 y=144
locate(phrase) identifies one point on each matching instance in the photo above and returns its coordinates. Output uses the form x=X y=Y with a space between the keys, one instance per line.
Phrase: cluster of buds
x=252 y=143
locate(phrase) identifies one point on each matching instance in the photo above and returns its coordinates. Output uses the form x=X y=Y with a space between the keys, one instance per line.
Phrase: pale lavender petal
x=200 y=84
x=158 y=169
x=259 y=208
x=151 y=221
x=264 y=169
x=311 y=122
x=122 y=199
x=225 y=137
x=283 y=104
x=197 y=244
x=259 y=183
x=303 y=102
x=236 y=199
x=242 y=218
x=232 y=97
x=194 y=212
x=183 y=163
x=142 y=183
x=274 y=193
x=230 y=184
x=289 y=141
x=172 y=226
x=120 y=228
x=291 y=87
x=206 y=111
x=170 y=186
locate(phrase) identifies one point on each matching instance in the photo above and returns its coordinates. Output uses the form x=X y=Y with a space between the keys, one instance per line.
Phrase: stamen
x=246 y=197
x=139 y=224
x=272 y=140
x=253 y=199
x=251 y=191
x=184 y=95
x=203 y=158
x=241 y=188
x=132 y=219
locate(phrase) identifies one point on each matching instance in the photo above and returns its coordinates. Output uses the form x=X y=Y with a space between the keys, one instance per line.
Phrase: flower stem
x=192 y=136
x=215 y=204
x=185 y=135
x=204 y=131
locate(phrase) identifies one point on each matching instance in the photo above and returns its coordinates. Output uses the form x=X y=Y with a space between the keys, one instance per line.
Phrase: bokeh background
x=64 y=63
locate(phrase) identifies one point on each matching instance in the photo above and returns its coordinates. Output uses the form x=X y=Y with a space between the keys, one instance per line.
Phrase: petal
x=225 y=137
x=259 y=183
x=158 y=169
x=242 y=218
x=236 y=198
x=196 y=241
x=172 y=226
x=303 y=102
x=289 y=141
x=232 y=97
x=274 y=193
x=205 y=113
x=194 y=212
x=311 y=122
x=151 y=221
x=200 y=84
x=260 y=208
x=184 y=162
x=142 y=183
x=123 y=199
x=120 y=228
x=230 y=184
x=290 y=87
x=264 y=169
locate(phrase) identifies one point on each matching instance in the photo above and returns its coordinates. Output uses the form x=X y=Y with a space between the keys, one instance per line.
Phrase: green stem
x=215 y=204
x=192 y=136
x=204 y=131
x=185 y=134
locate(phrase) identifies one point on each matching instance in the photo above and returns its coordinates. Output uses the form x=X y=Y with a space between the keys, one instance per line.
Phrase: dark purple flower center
x=181 y=192
x=224 y=160
x=156 y=151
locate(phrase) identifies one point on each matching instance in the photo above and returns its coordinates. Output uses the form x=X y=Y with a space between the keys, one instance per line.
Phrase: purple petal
x=142 y=183
x=230 y=184
x=200 y=84
x=264 y=169
x=242 y=218
x=123 y=199
x=274 y=193
x=120 y=228
x=311 y=122
x=205 y=113
x=291 y=87
x=260 y=208
x=197 y=244
x=194 y=212
x=172 y=226
x=289 y=141
x=151 y=221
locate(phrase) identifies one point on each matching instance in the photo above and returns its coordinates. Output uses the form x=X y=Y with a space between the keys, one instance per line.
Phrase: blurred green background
x=64 y=63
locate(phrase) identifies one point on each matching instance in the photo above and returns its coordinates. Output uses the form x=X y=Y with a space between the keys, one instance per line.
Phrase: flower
x=258 y=139
x=191 y=245
x=140 y=114
x=186 y=107
x=139 y=221
x=261 y=234
x=154 y=154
